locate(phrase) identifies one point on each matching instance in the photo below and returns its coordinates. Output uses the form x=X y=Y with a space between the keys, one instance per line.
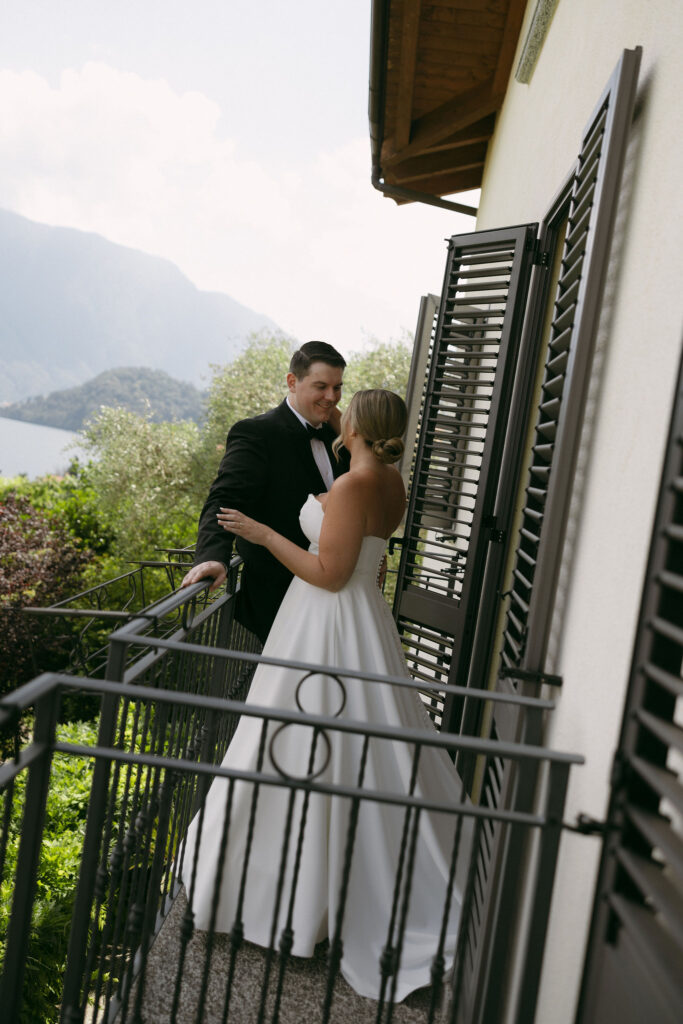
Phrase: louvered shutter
x=416 y=390
x=457 y=464
x=634 y=963
x=590 y=204
x=592 y=207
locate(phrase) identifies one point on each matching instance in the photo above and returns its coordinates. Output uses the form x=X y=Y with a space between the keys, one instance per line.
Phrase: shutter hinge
x=525 y=676
x=541 y=256
x=587 y=826
x=395 y=542
x=496 y=536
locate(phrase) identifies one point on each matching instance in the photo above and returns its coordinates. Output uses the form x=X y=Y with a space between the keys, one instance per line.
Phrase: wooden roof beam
x=452 y=116
x=448 y=184
x=406 y=72
x=442 y=162
x=480 y=131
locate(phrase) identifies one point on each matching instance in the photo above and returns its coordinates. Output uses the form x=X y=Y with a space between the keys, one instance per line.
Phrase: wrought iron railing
x=167 y=715
x=88 y=616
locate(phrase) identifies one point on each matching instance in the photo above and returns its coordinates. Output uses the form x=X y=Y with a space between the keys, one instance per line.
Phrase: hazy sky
x=229 y=136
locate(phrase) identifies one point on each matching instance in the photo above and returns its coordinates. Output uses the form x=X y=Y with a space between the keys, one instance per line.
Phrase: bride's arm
x=340 y=537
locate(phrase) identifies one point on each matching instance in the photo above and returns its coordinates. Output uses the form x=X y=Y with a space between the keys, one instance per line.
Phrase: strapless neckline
x=367 y=536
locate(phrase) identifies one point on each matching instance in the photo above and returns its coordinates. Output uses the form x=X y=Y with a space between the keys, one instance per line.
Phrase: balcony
x=176 y=683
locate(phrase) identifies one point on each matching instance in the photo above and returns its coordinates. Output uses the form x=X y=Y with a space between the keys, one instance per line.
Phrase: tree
x=383 y=365
x=145 y=476
x=251 y=384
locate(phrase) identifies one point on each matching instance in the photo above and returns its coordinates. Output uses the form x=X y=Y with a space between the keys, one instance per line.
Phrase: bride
x=334 y=615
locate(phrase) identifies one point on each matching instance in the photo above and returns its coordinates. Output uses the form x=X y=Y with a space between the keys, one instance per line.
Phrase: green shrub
x=40 y=563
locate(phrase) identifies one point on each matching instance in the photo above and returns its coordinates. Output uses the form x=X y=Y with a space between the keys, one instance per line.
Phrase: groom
x=271 y=464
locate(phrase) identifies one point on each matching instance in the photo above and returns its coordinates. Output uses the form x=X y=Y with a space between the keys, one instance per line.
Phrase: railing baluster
x=237 y=931
x=18 y=933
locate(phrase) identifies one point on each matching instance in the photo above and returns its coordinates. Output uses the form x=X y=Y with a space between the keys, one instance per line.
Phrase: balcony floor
x=303 y=993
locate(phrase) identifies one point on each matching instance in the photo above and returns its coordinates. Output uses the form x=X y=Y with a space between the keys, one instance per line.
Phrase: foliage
x=138 y=389
x=144 y=475
x=39 y=564
x=252 y=384
x=60 y=855
x=382 y=365
x=69 y=500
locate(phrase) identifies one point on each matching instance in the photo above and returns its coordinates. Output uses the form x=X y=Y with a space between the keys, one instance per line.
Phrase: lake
x=32 y=449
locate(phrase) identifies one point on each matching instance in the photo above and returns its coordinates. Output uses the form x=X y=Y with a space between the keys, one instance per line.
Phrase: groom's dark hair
x=314 y=352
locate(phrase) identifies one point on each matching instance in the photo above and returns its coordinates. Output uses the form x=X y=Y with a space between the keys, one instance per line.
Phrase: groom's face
x=316 y=394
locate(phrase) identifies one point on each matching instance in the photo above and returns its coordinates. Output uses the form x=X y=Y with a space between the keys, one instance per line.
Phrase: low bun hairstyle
x=379 y=417
x=388 y=450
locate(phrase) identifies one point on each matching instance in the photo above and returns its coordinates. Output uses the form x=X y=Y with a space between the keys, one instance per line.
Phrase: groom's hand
x=200 y=572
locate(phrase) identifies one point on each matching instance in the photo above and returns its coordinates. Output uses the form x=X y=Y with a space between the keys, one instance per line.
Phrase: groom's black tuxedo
x=267 y=472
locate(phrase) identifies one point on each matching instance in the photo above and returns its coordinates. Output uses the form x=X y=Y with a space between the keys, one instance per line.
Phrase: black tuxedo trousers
x=267 y=472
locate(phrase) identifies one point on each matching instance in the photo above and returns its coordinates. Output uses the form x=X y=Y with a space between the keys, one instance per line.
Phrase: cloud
x=314 y=247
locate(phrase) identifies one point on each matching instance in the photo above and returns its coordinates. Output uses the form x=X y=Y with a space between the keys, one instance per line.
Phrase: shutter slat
x=658 y=889
x=553 y=386
x=667 y=732
x=670 y=682
x=578 y=228
x=569 y=293
x=663 y=782
x=481 y=286
x=593 y=138
x=667 y=629
x=654 y=952
x=474 y=259
x=583 y=206
x=674 y=532
x=659 y=835
x=548 y=430
x=672 y=580
x=564 y=320
x=561 y=343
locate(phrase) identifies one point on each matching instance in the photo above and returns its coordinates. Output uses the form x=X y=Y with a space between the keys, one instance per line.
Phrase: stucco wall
x=535 y=143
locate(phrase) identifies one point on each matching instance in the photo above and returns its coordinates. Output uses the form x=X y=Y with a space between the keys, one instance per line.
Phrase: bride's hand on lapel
x=242 y=526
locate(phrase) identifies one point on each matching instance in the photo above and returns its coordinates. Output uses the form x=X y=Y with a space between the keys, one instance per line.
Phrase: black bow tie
x=316 y=434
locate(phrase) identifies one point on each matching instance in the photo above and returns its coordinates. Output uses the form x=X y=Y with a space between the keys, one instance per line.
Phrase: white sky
x=229 y=136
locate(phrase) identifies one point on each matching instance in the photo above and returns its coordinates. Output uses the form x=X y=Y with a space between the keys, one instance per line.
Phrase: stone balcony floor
x=303 y=993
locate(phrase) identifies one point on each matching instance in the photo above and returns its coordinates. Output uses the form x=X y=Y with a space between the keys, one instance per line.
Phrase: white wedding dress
x=352 y=628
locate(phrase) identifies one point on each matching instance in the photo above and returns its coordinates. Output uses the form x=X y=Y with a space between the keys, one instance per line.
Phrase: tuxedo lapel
x=300 y=446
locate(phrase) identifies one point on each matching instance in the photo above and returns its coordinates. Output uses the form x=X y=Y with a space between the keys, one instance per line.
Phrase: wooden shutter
x=416 y=390
x=450 y=514
x=591 y=211
x=633 y=969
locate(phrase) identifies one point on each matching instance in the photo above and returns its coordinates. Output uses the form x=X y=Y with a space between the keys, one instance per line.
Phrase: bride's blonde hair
x=380 y=418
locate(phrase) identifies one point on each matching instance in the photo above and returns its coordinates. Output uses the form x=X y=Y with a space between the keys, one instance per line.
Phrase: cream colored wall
x=535 y=143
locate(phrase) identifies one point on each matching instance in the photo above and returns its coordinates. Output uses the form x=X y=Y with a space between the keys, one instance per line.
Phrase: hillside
x=138 y=389
x=73 y=304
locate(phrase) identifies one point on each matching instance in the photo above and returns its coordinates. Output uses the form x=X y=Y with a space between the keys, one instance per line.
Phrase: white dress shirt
x=322 y=459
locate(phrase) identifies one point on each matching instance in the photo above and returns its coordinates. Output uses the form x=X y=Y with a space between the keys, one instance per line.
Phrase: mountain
x=73 y=304
x=135 y=388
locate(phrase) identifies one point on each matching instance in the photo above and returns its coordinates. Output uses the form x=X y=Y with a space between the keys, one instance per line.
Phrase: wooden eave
x=439 y=71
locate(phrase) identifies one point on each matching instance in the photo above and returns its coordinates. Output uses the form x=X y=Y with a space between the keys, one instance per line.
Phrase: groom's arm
x=240 y=482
